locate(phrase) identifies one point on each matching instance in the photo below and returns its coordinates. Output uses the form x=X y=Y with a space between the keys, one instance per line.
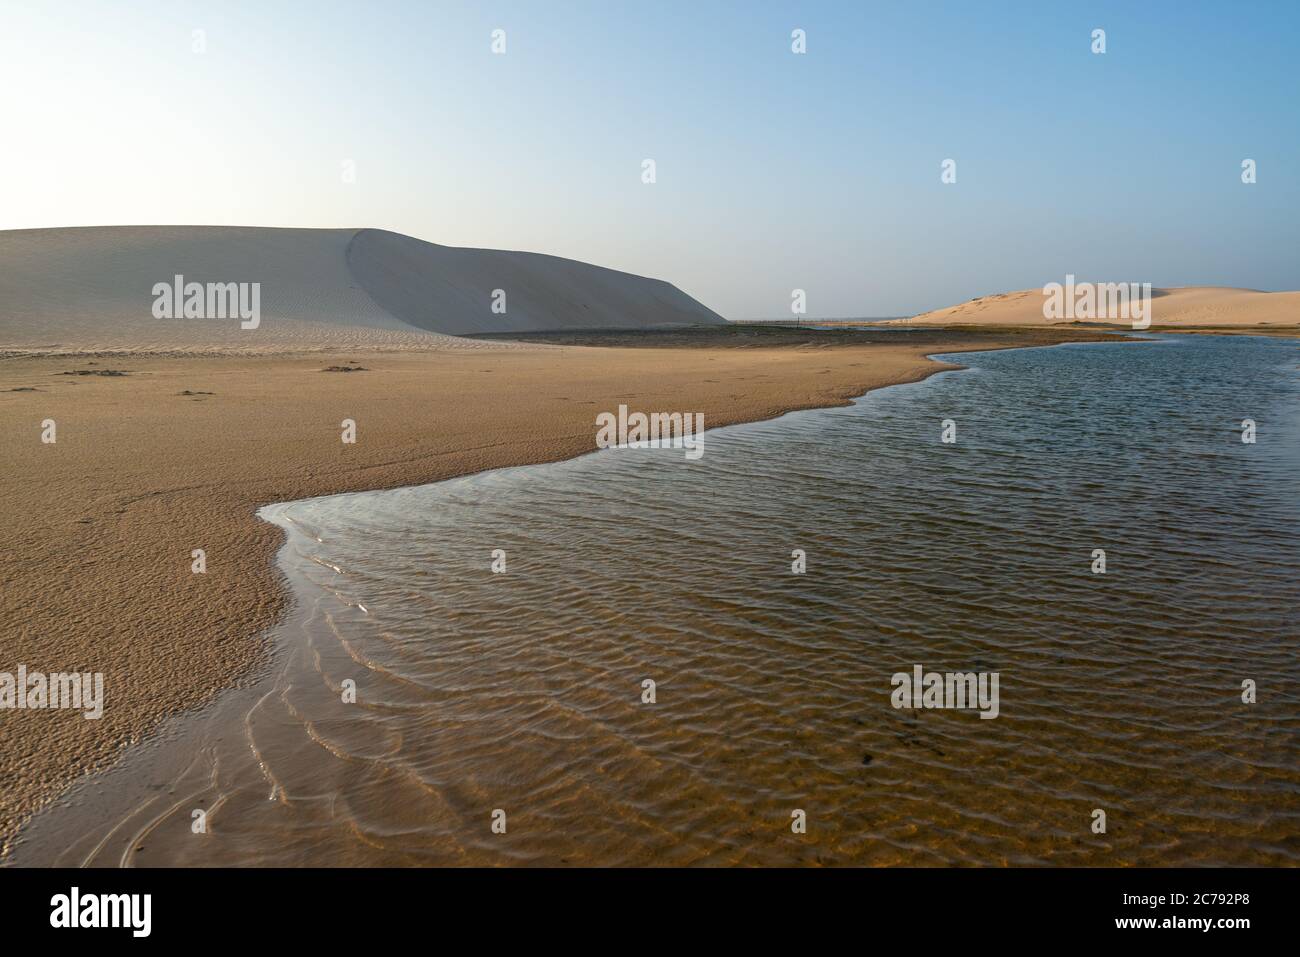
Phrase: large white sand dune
x=1178 y=306
x=90 y=289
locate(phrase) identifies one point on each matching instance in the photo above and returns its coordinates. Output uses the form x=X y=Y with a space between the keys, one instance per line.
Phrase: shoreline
x=126 y=780
x=136 y=813
x=165 y=668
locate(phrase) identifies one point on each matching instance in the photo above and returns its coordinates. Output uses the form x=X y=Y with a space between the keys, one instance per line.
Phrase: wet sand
x=179 y=452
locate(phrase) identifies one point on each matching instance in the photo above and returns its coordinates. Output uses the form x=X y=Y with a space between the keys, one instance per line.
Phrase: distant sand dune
x=90 y=289
x=1179 y=306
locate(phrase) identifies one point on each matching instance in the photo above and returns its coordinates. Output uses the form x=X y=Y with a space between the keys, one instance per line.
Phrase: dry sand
x=100 y=526
x=1185 y=308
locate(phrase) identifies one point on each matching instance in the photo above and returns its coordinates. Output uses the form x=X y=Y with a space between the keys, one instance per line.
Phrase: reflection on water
x=523 y=691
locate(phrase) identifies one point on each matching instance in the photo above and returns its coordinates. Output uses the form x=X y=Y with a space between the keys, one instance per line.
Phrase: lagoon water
x=523 y=692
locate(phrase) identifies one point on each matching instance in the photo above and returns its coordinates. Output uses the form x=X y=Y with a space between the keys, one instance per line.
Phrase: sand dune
x=90 y=289
x=449 y=289
x=1180 y=306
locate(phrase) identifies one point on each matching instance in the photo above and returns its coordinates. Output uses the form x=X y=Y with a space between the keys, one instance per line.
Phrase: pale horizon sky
x=775 y=170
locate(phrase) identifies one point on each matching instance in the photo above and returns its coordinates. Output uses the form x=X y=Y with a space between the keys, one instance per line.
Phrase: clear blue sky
x=775 y=171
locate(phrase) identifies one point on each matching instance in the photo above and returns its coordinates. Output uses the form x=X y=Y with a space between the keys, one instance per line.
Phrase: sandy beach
x=178 y=452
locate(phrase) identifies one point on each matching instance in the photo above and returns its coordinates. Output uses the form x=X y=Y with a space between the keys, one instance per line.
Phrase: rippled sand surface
x=522 y=691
